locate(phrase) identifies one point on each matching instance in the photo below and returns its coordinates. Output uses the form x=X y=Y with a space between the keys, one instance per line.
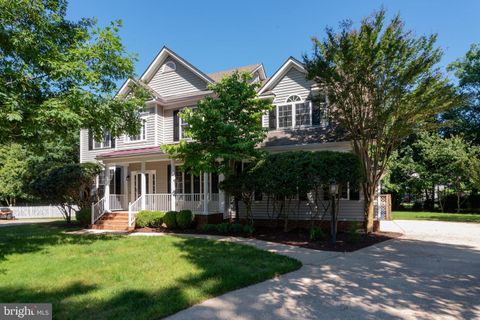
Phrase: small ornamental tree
x=224 y=128
x=383 y=85
x=67 y=186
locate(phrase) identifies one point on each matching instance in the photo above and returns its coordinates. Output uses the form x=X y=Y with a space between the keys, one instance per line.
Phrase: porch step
x=117 y=220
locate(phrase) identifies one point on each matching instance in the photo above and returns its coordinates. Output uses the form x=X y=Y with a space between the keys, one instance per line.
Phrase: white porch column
x=106 y=205
x=143 y=185
x=206 y=193
x=221 y=195
x=125 y=195
x=172 y=185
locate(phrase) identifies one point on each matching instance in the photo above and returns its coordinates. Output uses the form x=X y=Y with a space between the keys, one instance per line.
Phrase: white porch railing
x=158 y=202
x=118 y=202
x=194 y=202
x=98 y=209
x=133 y=208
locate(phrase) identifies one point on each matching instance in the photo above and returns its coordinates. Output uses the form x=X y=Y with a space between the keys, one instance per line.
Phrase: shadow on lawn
x=220 y=267
x=400 y=278
x=35 y=237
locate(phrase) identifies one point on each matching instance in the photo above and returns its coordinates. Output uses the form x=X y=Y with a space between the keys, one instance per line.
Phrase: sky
x=218 y=35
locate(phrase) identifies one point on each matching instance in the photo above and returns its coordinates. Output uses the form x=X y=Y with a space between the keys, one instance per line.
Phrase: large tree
x=58 y=75
x=224 y=128
x=465 y=120
x=383 y=85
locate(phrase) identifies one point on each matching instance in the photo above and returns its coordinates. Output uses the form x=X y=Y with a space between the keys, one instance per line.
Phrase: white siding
x=294 y=82
x=167 y=126
x=349 y=210
x=179 y=81
x=89 y=155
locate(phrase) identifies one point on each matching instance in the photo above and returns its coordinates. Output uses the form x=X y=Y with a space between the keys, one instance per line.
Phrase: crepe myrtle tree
x=59 y=75
x=383 y=85
x=291 y=177
x=67 y=187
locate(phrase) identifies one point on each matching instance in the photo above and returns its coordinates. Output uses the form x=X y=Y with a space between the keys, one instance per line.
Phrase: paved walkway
x=433 y=272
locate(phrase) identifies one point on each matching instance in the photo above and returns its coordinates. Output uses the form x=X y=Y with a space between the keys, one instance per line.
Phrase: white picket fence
x=24 y=212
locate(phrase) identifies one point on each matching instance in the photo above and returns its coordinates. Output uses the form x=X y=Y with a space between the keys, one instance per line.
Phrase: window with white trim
x=183 y=125
x=142 y=133
x=300 y=113
x=104 y=142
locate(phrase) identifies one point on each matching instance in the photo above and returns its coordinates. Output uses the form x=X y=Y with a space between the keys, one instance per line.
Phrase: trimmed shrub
x=170 y=219
x=223 y=228
x=248 y=229
x=152 y=219
x=209 y=227
x=184 y=219
x=353 y=234
x=236 y=228
x=84 y=216
x=317 y=234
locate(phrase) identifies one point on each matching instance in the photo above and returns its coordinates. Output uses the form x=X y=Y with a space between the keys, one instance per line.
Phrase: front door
x=136 y=184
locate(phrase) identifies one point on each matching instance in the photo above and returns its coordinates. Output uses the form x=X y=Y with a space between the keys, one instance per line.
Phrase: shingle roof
x=217 y=76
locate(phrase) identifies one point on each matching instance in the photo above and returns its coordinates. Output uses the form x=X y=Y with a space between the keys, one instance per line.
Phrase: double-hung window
x=141 y=135
x=298 y=113
x=102 y=142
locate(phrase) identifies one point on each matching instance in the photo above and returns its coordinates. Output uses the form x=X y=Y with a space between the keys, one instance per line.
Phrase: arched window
x=169 y=66
x=293 y=98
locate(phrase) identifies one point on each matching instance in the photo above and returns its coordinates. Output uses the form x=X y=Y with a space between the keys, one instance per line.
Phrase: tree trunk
x=458 y=202
x=369 y=195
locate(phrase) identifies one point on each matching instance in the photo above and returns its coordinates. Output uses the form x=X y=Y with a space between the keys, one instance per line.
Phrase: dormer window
x=296 y=112
x=169 y=66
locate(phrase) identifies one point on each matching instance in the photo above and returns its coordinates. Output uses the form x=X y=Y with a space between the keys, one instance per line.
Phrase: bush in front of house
x=317 y=234
x=184 y=219
x=170 y=219
x=147 y=218
x=84 y=216
x=353 y=233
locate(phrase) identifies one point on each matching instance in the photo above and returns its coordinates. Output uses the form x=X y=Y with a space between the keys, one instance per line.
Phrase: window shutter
x=272 y=119
x=90 y=140
x=355 y=193
x=176 y=126
x=315 y=114
x=169 y=179
x=112 y=142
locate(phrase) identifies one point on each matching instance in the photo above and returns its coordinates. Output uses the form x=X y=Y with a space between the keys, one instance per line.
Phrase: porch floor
x=116 y=220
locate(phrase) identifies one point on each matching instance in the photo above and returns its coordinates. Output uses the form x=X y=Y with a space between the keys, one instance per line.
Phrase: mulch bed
x=297 y=237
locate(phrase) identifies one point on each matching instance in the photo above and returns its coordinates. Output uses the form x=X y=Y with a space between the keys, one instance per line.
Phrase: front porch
x=155 y=183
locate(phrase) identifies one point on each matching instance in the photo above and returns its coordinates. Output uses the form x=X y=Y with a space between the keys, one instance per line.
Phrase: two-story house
x=139 y=175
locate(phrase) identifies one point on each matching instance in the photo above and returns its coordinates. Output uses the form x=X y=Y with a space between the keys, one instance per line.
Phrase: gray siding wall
x=89 y=155
x=176 y=82
x=123 y=143
x=293 y=83
x=349 y=210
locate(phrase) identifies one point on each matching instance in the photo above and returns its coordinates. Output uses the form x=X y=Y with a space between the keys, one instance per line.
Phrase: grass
x=436 y=216
x=121 y=277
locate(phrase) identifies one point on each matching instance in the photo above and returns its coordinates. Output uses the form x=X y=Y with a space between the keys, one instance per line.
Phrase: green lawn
x=436 y=216
x=121 y=277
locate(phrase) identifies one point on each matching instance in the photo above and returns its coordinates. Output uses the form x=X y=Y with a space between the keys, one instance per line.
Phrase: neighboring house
x=141 y=176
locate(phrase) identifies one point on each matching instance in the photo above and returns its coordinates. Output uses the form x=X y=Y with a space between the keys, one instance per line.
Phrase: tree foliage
x=287 y=178
x=67 y=186
x=57 y=75
x=465 y=120
x=430 y=164
x=223 y=128
x=383 y=85
x=14 y=167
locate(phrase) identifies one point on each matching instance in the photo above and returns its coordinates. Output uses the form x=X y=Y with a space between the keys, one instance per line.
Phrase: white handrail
x=133 y=208
x=98 y=209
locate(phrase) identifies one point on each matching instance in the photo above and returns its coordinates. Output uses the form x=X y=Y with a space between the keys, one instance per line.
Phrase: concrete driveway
x=433 y=272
